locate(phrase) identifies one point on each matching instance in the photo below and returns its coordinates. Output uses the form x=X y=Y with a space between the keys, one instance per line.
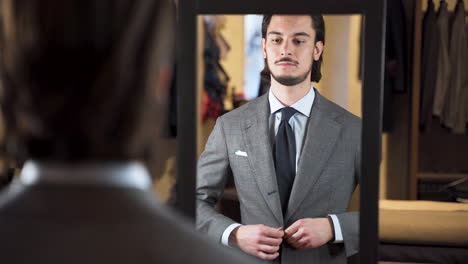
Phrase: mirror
x=372 y=13
x=239 y=130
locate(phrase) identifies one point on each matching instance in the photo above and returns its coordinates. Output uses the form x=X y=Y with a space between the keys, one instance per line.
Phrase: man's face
x=290 y=48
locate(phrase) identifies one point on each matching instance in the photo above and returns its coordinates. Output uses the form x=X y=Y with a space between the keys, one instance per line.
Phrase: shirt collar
x=303 y=105
x=117 y=174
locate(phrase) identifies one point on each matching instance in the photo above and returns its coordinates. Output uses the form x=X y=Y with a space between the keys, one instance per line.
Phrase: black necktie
x=285 y=156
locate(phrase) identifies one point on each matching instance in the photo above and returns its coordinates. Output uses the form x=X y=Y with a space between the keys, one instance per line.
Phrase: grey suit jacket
x=50 y=224
x=327 y=174
x=431 y=47
x=455 y=114
x=442 y=61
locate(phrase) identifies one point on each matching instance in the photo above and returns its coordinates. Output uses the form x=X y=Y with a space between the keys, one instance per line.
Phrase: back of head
x=79 y=76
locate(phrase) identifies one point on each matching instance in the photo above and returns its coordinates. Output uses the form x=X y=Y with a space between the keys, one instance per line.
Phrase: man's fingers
x=266 y=256
x=292 y=228
x=272 y=232
x=271 y=241
x=300 y=243
x=296 y=236
x=268 y=249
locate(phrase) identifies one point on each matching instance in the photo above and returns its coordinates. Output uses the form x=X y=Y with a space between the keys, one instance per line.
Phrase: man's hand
x=258 y=240
x=308 y=233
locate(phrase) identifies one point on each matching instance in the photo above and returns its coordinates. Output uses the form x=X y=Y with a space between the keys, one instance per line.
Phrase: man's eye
x=276 y=40
x=299 y=41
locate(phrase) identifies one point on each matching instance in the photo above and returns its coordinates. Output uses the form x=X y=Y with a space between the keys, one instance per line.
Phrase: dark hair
x=75 y=77
x=318 y=24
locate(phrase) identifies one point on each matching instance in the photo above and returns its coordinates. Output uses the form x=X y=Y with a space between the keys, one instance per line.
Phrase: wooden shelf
x=434 y=175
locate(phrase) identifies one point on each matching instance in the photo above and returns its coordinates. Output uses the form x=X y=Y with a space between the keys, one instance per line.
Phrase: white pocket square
x=241 y=153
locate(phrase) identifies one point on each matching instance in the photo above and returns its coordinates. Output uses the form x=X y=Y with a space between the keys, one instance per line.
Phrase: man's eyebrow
x=304 y=34
x=301 y=34
x=275 y=33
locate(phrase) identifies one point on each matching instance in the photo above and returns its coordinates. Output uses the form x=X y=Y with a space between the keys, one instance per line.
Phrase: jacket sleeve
x=213 y=171
x=349 y=221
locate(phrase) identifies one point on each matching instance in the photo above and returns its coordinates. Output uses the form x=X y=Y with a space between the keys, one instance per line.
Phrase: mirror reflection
x=424 y=181
x=280 y=134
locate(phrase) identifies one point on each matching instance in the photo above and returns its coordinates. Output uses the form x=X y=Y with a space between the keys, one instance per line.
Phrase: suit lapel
x=257 y=139
x=321 y=135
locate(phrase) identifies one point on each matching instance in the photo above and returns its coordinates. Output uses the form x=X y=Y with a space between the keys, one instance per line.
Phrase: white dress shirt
x=117 y=174
x=298 y=123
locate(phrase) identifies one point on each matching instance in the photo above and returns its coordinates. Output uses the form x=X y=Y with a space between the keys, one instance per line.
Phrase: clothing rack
x=438 y=147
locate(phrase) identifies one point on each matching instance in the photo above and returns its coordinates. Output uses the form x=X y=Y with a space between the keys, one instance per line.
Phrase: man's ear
x=264 y=48
x=318 y=50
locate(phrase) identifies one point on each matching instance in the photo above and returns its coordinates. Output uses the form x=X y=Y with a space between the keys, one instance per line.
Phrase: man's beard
x=291 y=80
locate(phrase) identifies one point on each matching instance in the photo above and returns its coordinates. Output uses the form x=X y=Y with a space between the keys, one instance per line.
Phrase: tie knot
x=287 y=112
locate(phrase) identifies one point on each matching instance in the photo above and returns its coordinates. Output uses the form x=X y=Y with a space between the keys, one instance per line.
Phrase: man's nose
x=286 y=49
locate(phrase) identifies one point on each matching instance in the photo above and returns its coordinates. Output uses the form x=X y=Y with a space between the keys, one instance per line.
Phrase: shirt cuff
x=337 y=227
x=227 y=233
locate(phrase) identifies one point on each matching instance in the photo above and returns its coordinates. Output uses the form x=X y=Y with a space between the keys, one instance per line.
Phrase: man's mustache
x=286 y=60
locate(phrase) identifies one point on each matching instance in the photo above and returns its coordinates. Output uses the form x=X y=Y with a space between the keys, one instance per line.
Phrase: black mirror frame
x=373 y=12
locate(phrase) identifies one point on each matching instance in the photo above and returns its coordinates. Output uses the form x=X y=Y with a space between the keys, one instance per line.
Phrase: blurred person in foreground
x=83 y=86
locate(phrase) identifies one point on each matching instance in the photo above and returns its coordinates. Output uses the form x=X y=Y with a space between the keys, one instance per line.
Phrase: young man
x=294 y=155
x=82 y=89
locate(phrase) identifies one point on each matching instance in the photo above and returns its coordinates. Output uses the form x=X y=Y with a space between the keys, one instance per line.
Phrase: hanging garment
x=223 y=46
x=395 y=46
x=215 y=77
x=442 y=61
x=216 y=80
x=428 y=67
x=395 y=59
x=466 y=83
x=455 y=113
